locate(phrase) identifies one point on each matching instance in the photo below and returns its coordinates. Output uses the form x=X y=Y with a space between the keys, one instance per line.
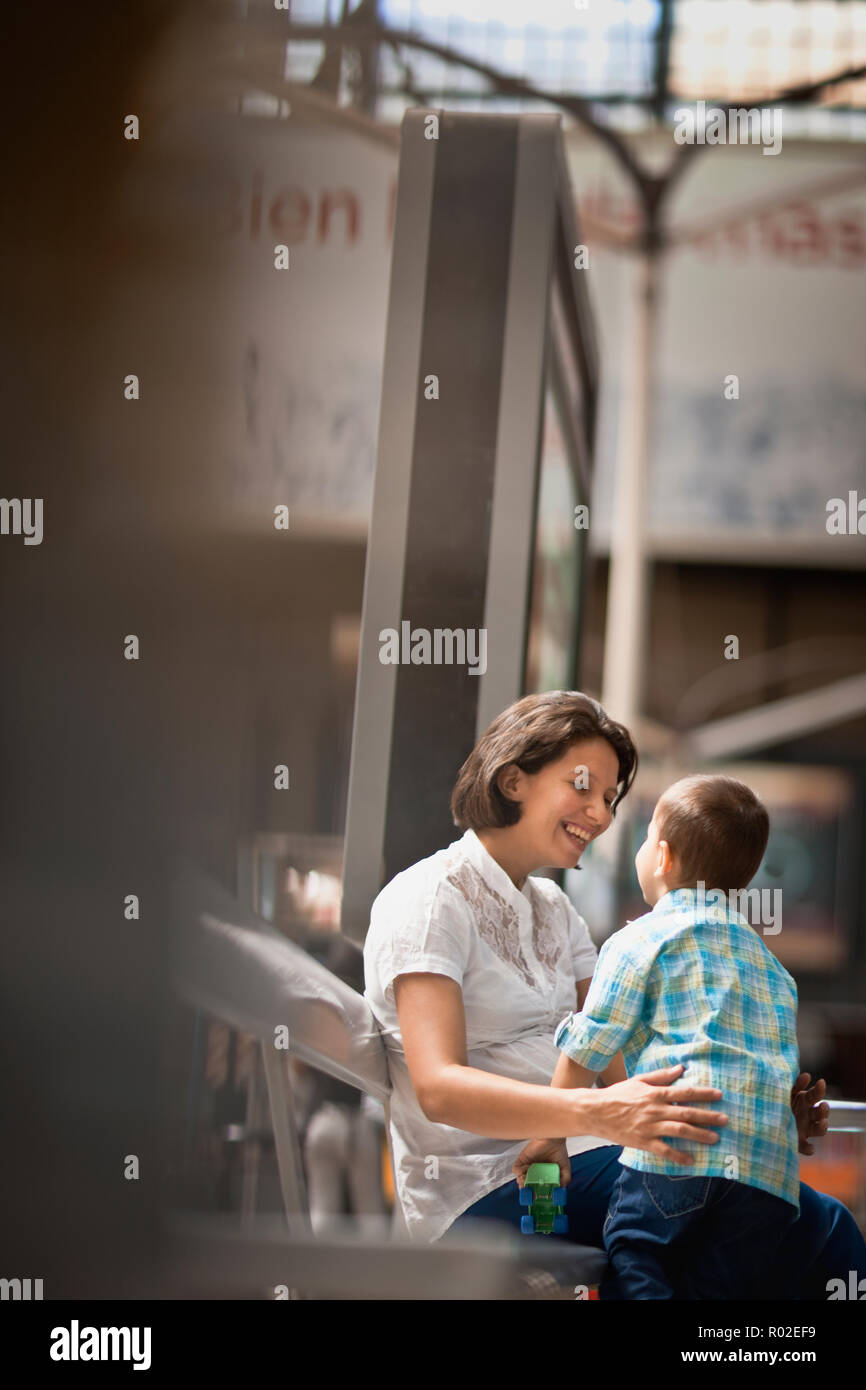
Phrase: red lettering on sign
x=343 y=199
x=289 y=215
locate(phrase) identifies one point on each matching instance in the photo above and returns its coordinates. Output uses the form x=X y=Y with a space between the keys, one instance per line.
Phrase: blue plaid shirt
x=701 y=989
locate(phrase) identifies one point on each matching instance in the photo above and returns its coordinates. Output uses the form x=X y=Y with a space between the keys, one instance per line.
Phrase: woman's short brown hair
x=532 y=732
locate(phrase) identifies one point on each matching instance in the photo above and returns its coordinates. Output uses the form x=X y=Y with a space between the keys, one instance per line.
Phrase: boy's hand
x=543 y=1151
x=812 y=1117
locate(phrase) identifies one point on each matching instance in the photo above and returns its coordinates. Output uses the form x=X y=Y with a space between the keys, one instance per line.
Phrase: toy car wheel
x=527 y=1225
x=560 y=1197
x=560 y=1225
x=525 y=1196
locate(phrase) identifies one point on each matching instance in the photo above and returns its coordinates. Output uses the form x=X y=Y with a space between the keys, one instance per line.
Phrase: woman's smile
x=577 y=832
x=578 y=838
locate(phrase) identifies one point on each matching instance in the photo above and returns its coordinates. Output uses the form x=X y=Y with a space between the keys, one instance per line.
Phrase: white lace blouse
x=517 y=956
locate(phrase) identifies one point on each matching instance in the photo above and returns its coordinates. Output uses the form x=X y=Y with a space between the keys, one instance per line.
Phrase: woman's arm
x=636 y=1112
x=449 y=1091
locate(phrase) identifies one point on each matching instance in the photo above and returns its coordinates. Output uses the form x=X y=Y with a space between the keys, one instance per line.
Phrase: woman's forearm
x=501 y=1108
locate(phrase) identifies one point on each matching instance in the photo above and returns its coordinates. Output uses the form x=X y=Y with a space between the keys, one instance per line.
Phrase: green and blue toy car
x=545 y=1200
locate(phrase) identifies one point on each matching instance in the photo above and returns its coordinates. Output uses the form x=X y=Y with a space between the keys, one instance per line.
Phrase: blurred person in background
x=343 y=1135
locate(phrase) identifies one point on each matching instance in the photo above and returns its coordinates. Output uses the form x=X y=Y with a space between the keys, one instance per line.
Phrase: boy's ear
x=665 y=862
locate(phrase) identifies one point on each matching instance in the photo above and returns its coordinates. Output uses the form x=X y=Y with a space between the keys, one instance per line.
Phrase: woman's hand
x=812 y=1117
x=636 y=1113
x=543 y=1151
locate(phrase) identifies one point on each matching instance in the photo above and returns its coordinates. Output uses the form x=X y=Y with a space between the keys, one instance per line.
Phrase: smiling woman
x=572 y=797
x=471 y=962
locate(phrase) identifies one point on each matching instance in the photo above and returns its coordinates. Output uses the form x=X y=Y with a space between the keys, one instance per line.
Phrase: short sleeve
x=420 y=933
x=584 y=956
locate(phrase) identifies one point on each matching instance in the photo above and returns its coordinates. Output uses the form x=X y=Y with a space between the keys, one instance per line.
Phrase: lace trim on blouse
x=547 y=942
x=498 y=924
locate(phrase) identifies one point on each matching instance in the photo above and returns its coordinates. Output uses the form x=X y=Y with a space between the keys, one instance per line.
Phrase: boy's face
x=648 y=861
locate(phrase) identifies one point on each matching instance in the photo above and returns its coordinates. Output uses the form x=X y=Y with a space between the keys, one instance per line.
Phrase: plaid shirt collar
x=701 y=906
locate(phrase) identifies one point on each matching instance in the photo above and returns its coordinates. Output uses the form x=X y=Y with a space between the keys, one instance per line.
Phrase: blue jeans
x=672 y=1236
x=823 y=1243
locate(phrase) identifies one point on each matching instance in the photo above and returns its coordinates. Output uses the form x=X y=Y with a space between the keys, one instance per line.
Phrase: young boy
x=692 y=982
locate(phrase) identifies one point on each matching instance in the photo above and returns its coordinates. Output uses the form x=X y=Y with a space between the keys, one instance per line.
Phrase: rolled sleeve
x=610 y=1014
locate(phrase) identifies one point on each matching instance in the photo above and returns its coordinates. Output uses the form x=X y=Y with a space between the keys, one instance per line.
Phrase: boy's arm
x=611 y=1011
x=570 y=1073
x=614 y=1071
x=612 y=1008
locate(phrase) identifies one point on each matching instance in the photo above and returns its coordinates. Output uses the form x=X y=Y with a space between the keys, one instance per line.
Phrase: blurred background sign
x=762 y=282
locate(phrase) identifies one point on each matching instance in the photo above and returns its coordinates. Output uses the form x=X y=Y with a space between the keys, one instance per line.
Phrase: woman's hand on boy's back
x=811 y=1112
x=643 y=1111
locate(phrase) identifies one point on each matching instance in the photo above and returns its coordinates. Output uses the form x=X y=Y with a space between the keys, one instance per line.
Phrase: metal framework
x=485 y=227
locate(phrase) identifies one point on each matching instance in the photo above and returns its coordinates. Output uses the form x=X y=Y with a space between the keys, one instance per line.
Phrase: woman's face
x=567 y=804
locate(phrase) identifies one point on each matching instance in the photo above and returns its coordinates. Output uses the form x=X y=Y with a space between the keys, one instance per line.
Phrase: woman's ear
x=509 y=781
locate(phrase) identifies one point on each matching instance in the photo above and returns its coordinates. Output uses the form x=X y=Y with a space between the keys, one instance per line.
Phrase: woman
x=470 y=964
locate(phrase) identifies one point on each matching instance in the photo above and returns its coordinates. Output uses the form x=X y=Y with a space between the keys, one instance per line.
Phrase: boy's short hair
x=530 y=733
x=717 y=827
